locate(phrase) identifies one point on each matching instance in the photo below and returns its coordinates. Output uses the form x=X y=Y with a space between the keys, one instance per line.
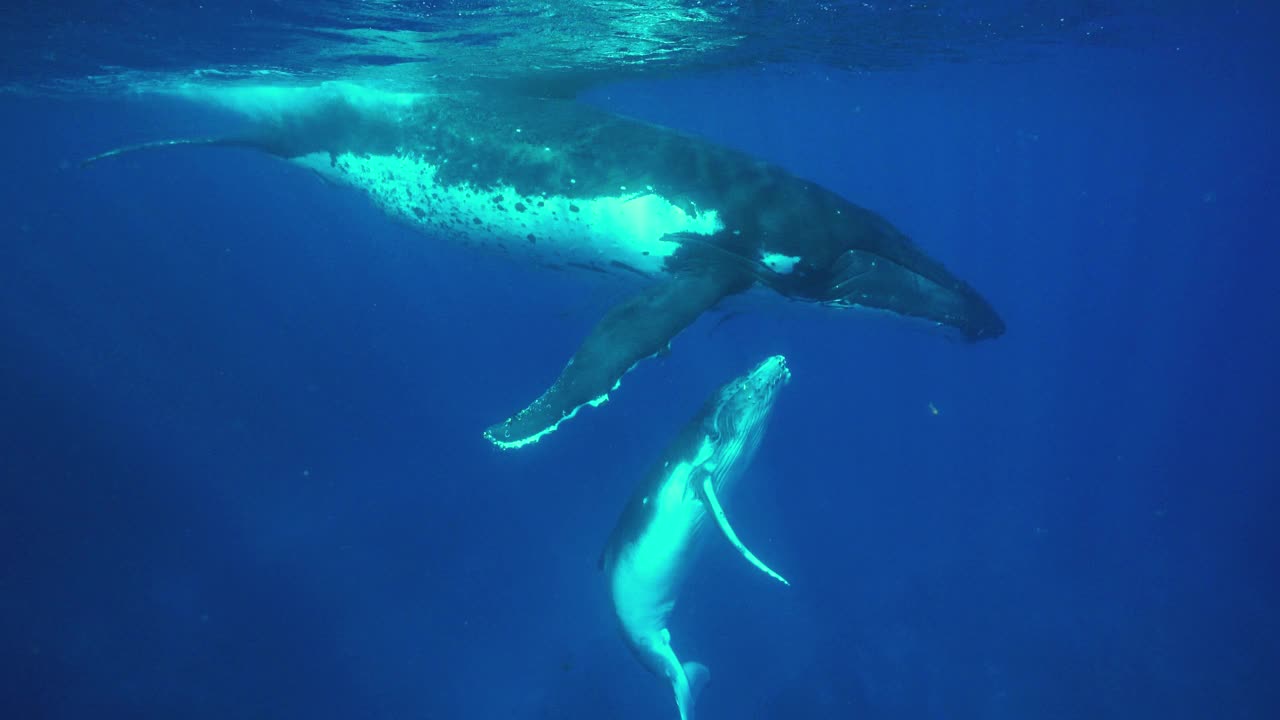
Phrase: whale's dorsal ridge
x=717 y=511
x=548 y=84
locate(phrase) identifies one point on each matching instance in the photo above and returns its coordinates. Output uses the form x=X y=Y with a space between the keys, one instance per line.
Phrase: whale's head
x=850 y=257
x=735 y=418
x=747 y=400
x=878 y=266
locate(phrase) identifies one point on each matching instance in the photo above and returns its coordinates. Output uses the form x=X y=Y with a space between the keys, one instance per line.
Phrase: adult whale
x=652 y=547
x=561 y=183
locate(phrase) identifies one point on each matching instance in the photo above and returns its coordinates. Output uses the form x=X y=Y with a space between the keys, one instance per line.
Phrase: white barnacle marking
x=592 y=231
x=779 y=263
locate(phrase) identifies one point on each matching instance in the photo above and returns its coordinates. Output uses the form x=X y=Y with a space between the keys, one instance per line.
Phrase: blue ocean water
x=241 y=468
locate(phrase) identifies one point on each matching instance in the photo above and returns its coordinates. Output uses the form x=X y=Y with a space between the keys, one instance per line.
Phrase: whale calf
x=652 y=547
x=561 y=183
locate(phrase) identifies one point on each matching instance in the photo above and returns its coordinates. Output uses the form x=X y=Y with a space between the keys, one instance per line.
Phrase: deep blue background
x=243 y=473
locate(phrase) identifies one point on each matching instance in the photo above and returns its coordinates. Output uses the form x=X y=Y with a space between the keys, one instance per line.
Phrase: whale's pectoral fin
x=709 y=493
x=165 y=144
x=639 y=327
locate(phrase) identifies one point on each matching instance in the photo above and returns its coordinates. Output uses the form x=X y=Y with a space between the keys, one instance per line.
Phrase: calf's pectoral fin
x=637 y=328
x=709 y=494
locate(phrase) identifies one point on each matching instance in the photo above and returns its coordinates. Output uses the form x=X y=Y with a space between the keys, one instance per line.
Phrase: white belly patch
x=597 y=232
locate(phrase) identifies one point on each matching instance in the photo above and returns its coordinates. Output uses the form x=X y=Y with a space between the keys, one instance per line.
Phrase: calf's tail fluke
x=162 y=144
x=688 y=681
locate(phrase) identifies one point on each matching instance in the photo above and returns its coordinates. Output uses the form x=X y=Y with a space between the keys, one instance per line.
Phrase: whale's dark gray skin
x=567 y=185
x=654 y=544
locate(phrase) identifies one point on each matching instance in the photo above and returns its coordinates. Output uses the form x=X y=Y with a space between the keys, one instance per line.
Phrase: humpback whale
x=556 y=181
x=651 y=548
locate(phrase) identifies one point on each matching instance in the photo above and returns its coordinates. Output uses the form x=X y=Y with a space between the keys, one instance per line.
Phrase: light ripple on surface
x=130 y=45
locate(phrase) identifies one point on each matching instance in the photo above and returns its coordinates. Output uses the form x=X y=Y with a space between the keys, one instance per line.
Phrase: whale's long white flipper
x=718 y=513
